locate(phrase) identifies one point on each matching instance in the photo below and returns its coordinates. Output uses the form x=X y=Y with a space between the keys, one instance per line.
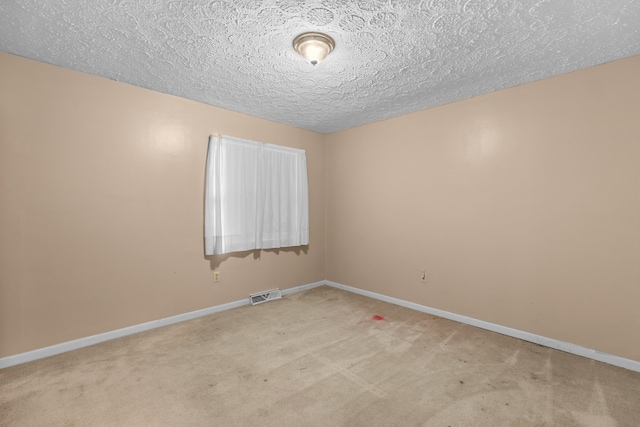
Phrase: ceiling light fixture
x=314 y=47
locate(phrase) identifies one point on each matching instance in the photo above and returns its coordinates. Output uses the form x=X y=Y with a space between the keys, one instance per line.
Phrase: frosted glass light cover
x=314 y=47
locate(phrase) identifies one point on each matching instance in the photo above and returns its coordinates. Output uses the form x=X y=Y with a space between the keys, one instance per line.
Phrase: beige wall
x=523 y=206
x=101 y=207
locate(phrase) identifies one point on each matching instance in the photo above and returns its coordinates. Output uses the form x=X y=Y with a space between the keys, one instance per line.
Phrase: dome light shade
x=314 y=47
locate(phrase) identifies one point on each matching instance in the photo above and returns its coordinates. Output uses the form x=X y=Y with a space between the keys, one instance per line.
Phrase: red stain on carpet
x=376 y=317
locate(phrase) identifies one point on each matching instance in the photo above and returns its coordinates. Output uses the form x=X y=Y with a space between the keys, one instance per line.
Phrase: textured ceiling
x=391 y=57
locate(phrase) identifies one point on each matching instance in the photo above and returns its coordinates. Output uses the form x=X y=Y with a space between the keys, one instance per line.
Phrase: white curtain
x=256 y=196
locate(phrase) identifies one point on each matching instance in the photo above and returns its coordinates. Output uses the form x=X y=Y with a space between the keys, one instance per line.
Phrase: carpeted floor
x=323 y=357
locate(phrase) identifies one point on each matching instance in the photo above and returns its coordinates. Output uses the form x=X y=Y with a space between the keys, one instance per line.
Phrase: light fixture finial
x=314 y=47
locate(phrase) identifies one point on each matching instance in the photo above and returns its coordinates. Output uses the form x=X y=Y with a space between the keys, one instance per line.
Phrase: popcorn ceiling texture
x=391 y=57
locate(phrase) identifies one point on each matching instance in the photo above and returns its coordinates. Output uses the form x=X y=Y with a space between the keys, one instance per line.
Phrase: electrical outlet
x=423 y=276
x=216 y=276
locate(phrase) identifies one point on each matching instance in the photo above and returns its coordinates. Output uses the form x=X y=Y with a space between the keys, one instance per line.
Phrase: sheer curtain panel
x=256 y=196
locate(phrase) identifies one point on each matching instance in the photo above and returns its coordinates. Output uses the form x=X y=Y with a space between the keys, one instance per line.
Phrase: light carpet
x=323 y=357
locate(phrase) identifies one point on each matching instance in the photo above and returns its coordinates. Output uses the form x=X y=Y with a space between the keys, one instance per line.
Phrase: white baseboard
x=41 y=353
x=303 y=287
x=611 y=359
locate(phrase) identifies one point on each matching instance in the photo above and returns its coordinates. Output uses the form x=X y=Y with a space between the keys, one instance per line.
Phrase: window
x=256 y=196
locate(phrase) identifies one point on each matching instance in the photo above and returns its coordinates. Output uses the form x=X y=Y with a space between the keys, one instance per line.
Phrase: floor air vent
x=265 y=296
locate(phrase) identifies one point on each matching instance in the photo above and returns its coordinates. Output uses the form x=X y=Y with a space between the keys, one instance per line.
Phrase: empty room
x=319 y=213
